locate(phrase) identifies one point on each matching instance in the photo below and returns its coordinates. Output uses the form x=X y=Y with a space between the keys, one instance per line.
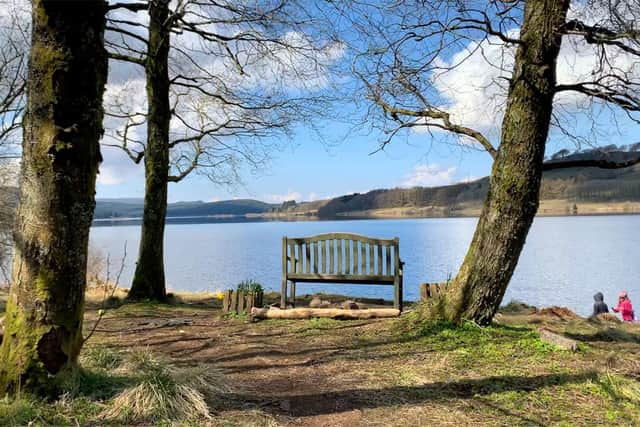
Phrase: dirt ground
x=322 y=372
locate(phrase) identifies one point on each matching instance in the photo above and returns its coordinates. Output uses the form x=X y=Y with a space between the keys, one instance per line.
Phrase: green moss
x=18 y=353
x=43 y=283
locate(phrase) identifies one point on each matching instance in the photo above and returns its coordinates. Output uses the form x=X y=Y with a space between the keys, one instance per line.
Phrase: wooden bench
x=340 y=258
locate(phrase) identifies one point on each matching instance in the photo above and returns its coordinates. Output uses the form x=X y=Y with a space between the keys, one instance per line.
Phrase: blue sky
x=311 y=168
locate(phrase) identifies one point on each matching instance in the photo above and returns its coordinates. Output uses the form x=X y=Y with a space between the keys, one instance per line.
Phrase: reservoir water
x=565 y=260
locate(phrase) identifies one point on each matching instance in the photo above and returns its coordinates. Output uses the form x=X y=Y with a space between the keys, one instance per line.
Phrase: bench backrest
x=341 y=254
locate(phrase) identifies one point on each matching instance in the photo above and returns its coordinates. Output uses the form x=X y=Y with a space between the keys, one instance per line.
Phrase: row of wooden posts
x=239 y=302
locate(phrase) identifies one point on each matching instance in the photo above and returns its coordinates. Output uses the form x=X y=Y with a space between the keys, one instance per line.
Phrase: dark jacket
x=599 y=306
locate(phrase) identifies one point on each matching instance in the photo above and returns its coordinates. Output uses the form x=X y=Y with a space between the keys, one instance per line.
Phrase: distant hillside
x=570 y=186
x=564 y=191
x=132 y=208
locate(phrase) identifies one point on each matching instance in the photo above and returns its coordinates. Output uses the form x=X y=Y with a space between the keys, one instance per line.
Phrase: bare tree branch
x=132 y=7
x=595 y=34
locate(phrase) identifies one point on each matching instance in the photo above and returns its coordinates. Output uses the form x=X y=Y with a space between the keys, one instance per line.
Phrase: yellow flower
x=220 y=295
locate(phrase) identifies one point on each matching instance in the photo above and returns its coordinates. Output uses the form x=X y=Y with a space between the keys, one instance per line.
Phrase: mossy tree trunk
x=149 y=280
x=60 y=157
x=512 y=202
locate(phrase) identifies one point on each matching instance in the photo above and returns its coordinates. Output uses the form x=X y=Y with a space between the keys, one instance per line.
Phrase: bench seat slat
x=347 y=254
x=316 y=249
x=331 y=256
x=371 y=261
x=356 y=263
x=388 y=260
x=342 y=278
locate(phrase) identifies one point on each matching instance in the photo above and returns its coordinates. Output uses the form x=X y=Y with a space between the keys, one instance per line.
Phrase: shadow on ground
x=302 y=405
x=607 y=335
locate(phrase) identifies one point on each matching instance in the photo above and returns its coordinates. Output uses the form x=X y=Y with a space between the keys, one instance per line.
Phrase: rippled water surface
x=565 y=261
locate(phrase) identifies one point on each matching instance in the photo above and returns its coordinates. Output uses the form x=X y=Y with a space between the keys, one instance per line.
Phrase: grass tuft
x=620 y=388
x=165 y=393
x=517 y=307
x=18 y=411
x=100 y=357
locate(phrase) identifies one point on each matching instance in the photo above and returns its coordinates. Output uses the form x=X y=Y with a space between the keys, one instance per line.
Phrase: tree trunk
x=60 y=157
x=512 y=202
x=149 y=280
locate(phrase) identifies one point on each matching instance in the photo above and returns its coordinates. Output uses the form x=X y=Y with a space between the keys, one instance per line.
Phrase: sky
x=310 y=168
x=344 y=160
x=307 y=167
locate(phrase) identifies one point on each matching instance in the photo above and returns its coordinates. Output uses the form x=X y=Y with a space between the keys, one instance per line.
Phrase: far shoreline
x=236 y=219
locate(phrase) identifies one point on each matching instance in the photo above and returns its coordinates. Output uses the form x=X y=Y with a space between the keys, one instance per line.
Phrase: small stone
x=350 y=305
x=558 y=340
x=315 y=302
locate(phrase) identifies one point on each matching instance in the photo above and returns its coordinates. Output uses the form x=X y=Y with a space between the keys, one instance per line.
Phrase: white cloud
x=313 y=197
x=279 y=198
x=117 y=168
x=469 y=178
x=474 y=86
x=429 y=176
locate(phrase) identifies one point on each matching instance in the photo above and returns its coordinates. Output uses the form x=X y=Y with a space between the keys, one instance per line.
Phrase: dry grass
x=164 y=392
x=323 y=372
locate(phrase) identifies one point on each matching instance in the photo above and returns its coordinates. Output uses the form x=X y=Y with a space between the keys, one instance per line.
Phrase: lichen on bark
x=149 y=279
x=62 y=129
x=512 y=201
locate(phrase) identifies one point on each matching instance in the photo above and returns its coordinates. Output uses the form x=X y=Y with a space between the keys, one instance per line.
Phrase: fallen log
x=333 y=313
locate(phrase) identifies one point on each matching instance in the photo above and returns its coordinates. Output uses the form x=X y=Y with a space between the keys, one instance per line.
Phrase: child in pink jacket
x=624 y=307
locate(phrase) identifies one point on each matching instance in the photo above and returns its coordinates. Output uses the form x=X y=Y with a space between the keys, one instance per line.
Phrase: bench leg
x=401 y=303
x=283 y=295
x=397 y=298
x=293 y=294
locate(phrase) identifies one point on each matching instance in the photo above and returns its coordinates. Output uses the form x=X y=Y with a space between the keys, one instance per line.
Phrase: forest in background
x=571 y=185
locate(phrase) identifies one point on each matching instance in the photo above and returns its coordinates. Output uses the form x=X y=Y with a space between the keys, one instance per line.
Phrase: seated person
x=624 y=307
x=599 y=306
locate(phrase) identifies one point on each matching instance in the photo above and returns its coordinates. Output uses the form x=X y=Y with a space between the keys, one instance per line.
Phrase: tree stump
x=239 y=302
x=430 y=290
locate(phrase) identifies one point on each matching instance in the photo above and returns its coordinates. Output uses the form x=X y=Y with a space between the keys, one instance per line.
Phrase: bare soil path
x=322 y=372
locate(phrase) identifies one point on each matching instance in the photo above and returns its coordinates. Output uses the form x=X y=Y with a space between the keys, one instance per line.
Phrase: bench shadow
x=303 y=405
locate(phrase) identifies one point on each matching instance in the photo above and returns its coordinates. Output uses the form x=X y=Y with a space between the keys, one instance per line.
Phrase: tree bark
x=477 y=291
x=60 y=158
x=149 y=279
